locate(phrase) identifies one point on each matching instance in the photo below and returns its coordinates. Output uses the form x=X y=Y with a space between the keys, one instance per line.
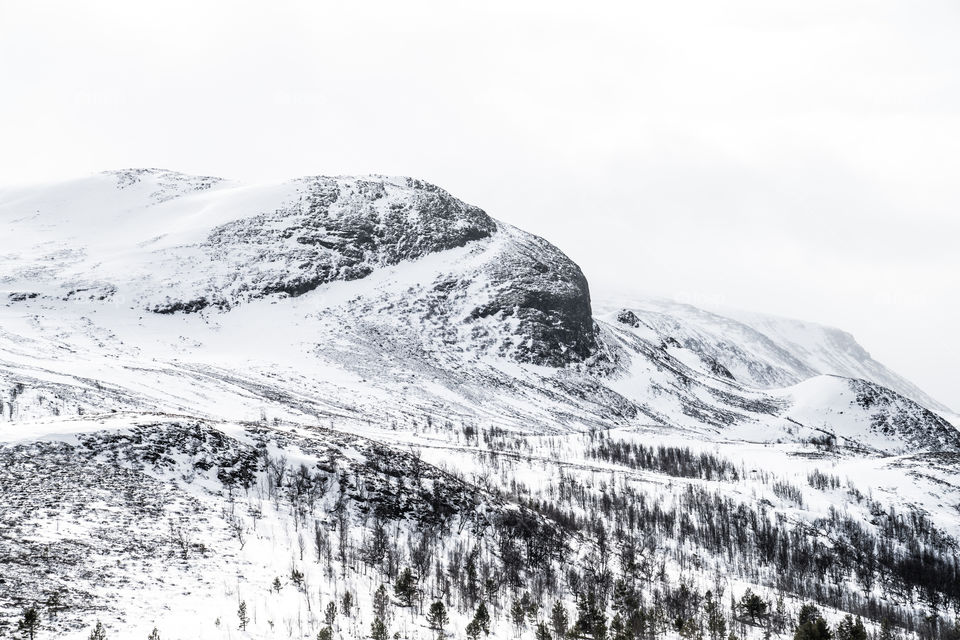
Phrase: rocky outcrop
x=548 y=295
x=896 y=416
x=341 y=229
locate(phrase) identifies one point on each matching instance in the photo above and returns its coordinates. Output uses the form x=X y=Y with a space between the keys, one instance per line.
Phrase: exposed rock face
x=548 y=295
x=894 y=415
x=345 y=228
x=166 y=185
x=176 y=244
x=338 y=229
x=629 y=318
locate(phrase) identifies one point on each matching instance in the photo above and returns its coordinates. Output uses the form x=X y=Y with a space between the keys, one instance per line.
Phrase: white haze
x=799 y=158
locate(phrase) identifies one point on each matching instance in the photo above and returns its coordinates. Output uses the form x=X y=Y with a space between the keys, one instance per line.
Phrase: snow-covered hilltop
x=330 y=381
x=767 y=351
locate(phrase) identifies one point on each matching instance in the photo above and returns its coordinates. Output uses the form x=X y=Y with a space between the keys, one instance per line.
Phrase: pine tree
x=752 y=606
x=29 y=623
x=481 y=621
x=154 y=635
x=559 y=620
x=780 y=617
x=378 y=630
x=381 y=603
x=618 y=630
x=850 y=629
x=811 y=625
x=242 y=614
x=624 y=597
x=98 y=633
x=542 y=632
x=54 y=604
x=518 y=613
x=325 y=634
x=716 y=622
x=808 y=613
x=437 y=617
x=330 y=614
x=859 y=632
x=591 y=618
x=347 y=602
x=473 y=630
x=405 y=587
x=472 y=581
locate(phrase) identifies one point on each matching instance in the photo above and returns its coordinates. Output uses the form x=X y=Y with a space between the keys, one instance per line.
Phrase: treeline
x=672 y=461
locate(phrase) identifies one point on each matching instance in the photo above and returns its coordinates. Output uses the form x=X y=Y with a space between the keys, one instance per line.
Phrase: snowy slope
x=766 y=351
x=230 y=369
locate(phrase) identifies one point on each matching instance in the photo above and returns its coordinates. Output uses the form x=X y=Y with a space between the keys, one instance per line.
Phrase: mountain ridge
x=385 y=379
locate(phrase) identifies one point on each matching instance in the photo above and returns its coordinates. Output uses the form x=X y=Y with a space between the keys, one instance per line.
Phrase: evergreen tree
x=780 y=616
x=716 y=622
x=381 y=604
x=378 y=630
x=518 y=614
x=405 y=587
x=98 y=633
x=330 y=614
x=54 y=604
x=325 y=634
x=752 y=606
x=154 y=635
x=811 y=625
x=29 y=623
x=618 y=629
x=591 y=619
x=625 y=597
x=472 y=581
x=542 y=632
x=559 y=620
x=242 y=614
x=636 y=624
x=850 y=629
x=808 y=613
x=473 y=630
x=687 y=628
x=437 y=617
x=481 y=620
x=886 y=630
x=347 y=602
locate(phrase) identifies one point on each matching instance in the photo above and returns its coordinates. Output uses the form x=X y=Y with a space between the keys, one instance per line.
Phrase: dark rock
x=629 y=318
x=549 y=295
x=718 y=369
x=343 y=230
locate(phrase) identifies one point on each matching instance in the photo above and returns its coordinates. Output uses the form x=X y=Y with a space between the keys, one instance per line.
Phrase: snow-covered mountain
x=208 y=385
x=767 y=351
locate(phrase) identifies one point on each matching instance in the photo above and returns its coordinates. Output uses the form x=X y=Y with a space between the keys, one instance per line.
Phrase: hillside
x=216 y=393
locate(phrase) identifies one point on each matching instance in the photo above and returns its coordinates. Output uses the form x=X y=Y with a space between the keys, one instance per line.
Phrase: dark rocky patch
x=343 y=230
x=897 y=416
x=548 y=293
x=629 y=318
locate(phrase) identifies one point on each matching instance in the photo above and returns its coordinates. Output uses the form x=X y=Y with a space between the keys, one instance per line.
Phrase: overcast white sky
x=795 y=157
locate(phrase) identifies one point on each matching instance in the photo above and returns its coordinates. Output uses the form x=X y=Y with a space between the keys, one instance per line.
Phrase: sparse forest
x=381 y=543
